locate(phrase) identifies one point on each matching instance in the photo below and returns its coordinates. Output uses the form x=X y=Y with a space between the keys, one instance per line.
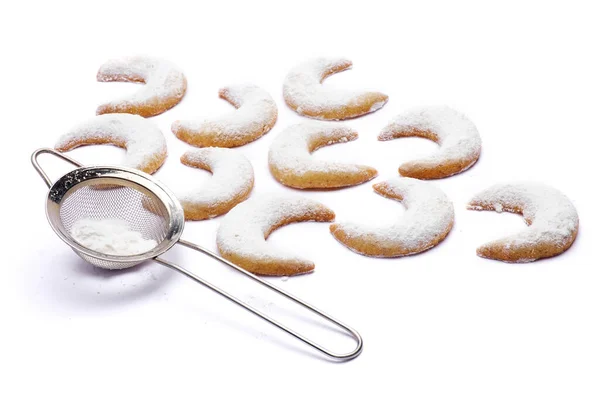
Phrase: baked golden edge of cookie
x=321 y=179
x=364 y=105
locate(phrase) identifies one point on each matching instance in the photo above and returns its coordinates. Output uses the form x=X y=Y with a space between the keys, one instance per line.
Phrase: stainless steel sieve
x=152 y=210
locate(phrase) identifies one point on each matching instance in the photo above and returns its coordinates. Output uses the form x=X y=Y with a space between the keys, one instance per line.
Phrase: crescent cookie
x=552 y=219
x=304 y=93
x=165 y=85
x=241 y=237
x=427 y=221
x=144 y=142
x=231 y=183
x=460 y=144
x=291 y=163
x=255 y=115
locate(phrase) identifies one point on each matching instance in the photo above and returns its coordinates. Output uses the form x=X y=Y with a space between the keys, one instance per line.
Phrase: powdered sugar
x=428 y=218
x=244 y=229
x=303 y=91
x=376 y=106
x=164 y=82
x=455 y=133
x=551 y=216
x=110 y=236
x=291 y=150
x=145 y=143
x=255 y=115
x=232 y=175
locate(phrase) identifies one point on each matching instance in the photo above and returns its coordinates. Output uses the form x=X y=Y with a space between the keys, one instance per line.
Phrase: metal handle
x=55 y=153
x=337 y=356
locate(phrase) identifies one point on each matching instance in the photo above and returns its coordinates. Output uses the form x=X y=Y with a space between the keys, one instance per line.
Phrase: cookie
x=255 y=115
x=165 y=85
x=241 y=237
x=145 y=144
x=291 y=163
x=460 y=144
x=231 y=183
x=552 y=219
x=427 y=221
x=304 y=93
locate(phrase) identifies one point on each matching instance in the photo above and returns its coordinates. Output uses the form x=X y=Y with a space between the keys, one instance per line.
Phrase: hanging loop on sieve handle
x=337 y=356
x=38 y=168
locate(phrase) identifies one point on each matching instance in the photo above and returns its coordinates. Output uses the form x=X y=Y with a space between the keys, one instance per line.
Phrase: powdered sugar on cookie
x=255 y=115
x=459 y=140
x=165 y=85
x=231 y=182
x=304 y=93
x=428 y=218
x=291 y=163
x=552 y=219
x=145 y=144
x=241 y=237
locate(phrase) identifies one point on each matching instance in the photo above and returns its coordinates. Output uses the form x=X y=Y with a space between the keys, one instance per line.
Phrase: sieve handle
x=38 y=168
x=337 y=356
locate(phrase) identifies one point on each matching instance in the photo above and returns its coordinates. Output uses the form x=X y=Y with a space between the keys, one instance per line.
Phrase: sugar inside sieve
x=152 y=214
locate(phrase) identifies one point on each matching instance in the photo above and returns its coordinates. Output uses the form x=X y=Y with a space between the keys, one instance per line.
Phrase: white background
x=441 y=325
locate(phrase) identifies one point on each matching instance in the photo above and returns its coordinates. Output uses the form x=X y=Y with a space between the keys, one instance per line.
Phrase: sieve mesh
x=143 y=212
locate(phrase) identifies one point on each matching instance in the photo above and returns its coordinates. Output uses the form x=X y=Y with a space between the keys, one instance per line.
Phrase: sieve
x=150 y=208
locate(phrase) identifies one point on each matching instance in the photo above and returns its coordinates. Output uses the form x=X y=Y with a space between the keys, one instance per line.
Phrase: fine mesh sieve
x=151 y=210
x=123 y=194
